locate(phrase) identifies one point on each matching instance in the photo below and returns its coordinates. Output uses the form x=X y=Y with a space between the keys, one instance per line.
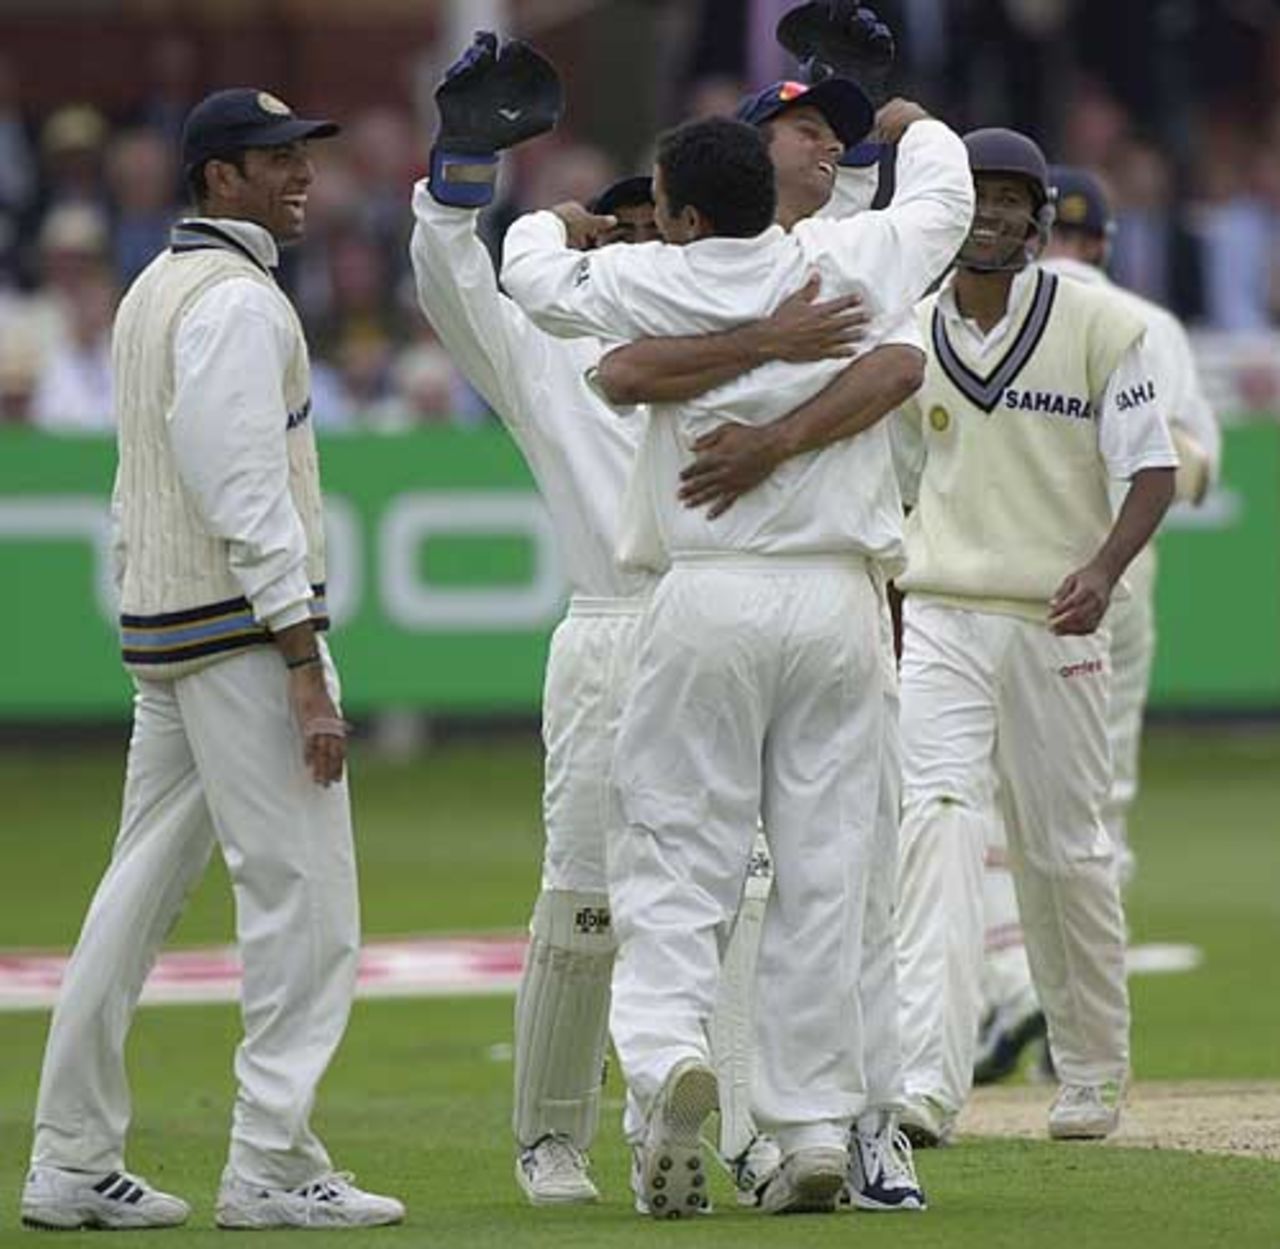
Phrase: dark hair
x=723 y=169
x=198 y=187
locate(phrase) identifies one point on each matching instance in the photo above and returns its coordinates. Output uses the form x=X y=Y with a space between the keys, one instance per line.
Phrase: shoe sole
x=907 y=1206
x=89 y=1223
x=581 y=1198
x=267 y=1225
x=1084 y=1132
x=1008 y=1051
x=673 y=1179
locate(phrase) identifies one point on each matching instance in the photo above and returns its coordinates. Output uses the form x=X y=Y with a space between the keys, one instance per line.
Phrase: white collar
x=255 y=239
x=1077 y=270
x=1021 y=290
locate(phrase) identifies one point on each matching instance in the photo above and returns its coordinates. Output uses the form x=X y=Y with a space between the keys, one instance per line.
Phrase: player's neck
x=789 y=214
x=983 y=297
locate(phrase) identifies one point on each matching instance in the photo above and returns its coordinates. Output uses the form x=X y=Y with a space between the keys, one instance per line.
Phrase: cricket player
x=801 y=142
x=759 y=687
x=1039 y=393
x=1078 y=249
x=580 y=453
x=237 y=738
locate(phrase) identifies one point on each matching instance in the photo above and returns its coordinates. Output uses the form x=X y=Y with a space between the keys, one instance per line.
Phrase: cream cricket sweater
x=1013 y=494
x=217 y=501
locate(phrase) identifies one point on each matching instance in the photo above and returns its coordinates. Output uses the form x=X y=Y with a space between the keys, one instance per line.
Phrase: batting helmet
x=999 y=151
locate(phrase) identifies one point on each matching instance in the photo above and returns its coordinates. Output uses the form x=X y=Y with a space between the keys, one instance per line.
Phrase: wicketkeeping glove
x=490 y=99
x=840 y=37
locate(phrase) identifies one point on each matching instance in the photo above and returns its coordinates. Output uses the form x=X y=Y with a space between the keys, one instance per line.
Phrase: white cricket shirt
x=840 y=499
x=579 y=449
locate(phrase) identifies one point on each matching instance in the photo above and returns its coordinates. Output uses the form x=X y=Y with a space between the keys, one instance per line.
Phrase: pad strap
x=463 y=179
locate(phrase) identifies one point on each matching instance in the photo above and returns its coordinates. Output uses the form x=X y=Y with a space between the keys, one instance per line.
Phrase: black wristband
x=305 y=661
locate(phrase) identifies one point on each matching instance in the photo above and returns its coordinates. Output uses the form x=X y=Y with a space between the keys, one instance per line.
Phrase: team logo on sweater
x=939 y=418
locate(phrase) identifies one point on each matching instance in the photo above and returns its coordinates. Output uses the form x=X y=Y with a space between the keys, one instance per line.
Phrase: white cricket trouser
x=1006 y=975
x=990 y=699
x=758 y=693
x=589 y=669
x=1132 y=622
x=215 y=757
x=882 y=1047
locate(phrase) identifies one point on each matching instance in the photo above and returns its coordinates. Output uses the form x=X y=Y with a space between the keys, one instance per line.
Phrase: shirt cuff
x=284 y=603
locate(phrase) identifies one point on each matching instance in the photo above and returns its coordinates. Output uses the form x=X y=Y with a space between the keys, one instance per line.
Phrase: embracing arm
x=672 y=370
x=733 y=459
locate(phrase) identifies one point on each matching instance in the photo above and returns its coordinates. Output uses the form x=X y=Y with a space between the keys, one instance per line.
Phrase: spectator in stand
x=384 y=155
x=363 y=326
x=174 y=65
x=18 y=175
x=1237 y=229
x=19 y=363
x=1145 y=220
x=72 y=251
x=71 y=147
x=74 y=389
x=140 y=175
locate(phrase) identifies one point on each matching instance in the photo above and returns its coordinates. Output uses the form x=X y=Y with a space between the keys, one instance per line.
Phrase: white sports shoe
x=808 y=1182
x=330 y=1201
x=553 y=1171
x=1085 y=1112
x=672 y=1180
x=65 y=1200
x=752 y=1169
x=926 y=1123
x=882 y=1173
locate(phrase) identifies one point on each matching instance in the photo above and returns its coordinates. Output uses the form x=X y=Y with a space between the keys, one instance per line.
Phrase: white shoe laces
x=559 y=1156
x=888 y=1159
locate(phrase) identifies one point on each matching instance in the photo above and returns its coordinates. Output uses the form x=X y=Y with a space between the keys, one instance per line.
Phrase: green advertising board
x=445 y=580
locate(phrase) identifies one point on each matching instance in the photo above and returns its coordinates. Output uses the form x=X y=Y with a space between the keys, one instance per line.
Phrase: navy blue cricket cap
x=243 y=117
x=1082 y=202
x=625 y=193
x=840 y=100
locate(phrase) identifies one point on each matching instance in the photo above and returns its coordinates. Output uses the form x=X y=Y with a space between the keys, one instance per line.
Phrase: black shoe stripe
x=121 y=1189
x=108 y=1182
x=134 y=1197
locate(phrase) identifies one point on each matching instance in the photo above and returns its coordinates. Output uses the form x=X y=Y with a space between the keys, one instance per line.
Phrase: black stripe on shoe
x=134 y=1197
x=120 y=1189
x=109 y=1181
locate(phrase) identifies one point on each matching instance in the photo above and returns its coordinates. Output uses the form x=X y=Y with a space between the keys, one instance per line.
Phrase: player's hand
x=1081 y=601
x=802 y=330
x=730 y=460
x=840 y=37
x=584 y=230
x=324 y=732
x=893 y=118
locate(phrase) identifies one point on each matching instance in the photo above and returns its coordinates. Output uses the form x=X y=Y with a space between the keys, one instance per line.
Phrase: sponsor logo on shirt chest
x=1048 y=402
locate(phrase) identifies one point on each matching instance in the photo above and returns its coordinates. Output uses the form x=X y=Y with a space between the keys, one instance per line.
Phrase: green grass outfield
x=417 y=1103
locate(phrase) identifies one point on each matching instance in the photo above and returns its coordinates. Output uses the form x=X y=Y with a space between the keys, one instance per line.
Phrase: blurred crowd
x=1186 y=127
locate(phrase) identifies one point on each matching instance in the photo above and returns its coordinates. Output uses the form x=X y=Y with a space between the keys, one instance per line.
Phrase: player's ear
x=695 y=223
